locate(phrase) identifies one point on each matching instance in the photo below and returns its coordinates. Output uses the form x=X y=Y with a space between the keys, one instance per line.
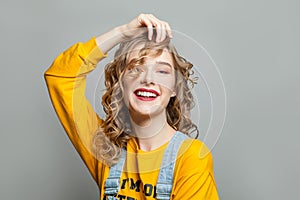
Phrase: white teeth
x=146 y=94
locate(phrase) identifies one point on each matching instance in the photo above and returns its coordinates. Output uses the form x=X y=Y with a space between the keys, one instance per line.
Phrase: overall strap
x=165 y=177
x=112 y=183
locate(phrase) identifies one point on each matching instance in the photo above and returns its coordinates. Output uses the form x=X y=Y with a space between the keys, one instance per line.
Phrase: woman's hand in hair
x=147 y=22
x=140 y=24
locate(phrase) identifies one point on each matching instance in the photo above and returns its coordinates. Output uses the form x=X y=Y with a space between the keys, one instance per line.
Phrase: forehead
x=165 y=56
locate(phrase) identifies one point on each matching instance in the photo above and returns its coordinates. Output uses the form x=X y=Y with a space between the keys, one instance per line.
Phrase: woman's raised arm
x=66 y=81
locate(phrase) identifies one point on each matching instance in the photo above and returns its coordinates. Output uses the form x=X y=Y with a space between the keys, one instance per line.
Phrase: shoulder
x=194 y=155
x=193 y=174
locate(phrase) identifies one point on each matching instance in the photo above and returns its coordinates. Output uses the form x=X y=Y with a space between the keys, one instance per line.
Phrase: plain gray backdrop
x=254 y=43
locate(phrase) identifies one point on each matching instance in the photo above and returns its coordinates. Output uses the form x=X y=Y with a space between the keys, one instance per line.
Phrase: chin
x=147 y=112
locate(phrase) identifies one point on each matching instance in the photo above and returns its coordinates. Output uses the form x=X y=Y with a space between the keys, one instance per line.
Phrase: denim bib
x=165 y=178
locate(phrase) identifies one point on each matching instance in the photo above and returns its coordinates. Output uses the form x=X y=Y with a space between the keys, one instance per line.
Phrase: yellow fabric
x=66 y=81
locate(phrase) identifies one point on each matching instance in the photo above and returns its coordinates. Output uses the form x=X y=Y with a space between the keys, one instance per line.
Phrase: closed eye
x=163 y=72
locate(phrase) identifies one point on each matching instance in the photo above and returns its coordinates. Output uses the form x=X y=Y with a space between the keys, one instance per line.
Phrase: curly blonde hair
x=113 y=134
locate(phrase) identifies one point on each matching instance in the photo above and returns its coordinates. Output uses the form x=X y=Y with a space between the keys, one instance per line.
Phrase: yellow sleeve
x=66 y=82
x=194 y=174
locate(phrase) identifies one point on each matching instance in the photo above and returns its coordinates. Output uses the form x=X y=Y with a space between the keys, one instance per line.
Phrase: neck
x=151 y=131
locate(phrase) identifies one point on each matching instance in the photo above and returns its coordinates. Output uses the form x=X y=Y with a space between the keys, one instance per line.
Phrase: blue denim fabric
x=112 y=183
x=165 y=177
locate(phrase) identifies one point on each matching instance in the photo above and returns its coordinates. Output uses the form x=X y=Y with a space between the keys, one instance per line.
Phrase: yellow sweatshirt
x=66 y=82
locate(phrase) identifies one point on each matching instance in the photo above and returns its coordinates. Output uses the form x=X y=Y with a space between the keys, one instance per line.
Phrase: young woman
x=142 y=149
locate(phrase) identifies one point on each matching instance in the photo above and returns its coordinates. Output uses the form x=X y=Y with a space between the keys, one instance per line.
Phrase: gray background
x=254 y=43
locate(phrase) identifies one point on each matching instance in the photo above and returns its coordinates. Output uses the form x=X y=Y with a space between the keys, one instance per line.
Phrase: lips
x=146 y=94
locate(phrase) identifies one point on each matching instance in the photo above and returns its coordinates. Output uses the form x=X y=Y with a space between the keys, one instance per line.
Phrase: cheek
x=128 y=83
x=125 y=91
x=167 y=83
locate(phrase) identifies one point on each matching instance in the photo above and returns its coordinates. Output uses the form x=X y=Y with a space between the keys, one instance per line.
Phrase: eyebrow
x=164 y=63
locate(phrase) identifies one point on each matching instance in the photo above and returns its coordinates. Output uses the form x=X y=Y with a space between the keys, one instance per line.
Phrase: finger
x=159 y=27
x=168 y=29
x=144 y=20
x=165 y=29
x=159 y=31
x=163 y=33
x=150 y=31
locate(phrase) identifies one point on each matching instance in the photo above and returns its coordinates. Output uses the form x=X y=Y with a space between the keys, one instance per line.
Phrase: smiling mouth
x=146 y=94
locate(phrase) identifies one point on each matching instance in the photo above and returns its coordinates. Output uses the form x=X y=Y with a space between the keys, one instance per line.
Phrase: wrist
x=121 y=32
x=109 y=39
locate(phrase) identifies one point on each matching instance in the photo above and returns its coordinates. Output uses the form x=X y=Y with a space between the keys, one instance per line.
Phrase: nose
x=148 y=77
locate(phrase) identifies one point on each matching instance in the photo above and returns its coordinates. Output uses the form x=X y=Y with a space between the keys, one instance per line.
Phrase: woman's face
x=149 y=87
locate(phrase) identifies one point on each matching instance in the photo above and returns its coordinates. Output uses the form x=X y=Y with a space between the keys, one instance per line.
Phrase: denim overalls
x=165 y=177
